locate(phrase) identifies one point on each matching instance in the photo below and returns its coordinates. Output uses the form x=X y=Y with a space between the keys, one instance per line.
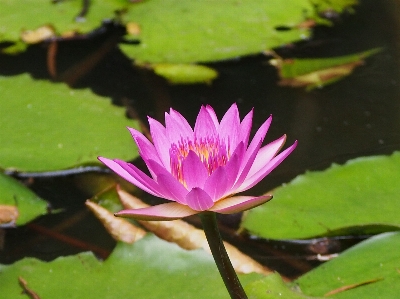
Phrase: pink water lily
x=201 y=169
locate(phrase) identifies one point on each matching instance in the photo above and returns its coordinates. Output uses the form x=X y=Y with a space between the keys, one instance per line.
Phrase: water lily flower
x=201 y=169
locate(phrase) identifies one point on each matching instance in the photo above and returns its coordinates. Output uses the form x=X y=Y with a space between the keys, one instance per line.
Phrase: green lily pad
x=174 y=31
x=19 y=16
x=372 y=265
x=361 y=196
x=185 y=73
x=18 y=204
x=47 y=126
x=150 y=268
x=272 y=287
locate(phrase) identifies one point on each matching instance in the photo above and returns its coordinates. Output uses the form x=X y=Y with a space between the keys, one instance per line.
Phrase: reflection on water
x=357 y=116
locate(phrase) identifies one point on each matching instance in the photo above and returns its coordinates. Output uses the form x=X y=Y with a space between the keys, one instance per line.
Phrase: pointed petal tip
x=239 y=204
x=292 y=147
x=105 y=160
x=282 y=139
x=133 y=131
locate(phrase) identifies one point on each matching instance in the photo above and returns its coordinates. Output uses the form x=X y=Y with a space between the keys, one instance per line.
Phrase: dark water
x=355 y=117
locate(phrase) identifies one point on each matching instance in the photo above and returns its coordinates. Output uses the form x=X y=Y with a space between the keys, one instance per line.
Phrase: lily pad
x=272 y=287
x=185 y=73
x=47 y=126
x=18 y=17
x=18 y=204
x=359 y=197
x=149 y=268
x=317 y=72
x=372 y=267
x=174 y=31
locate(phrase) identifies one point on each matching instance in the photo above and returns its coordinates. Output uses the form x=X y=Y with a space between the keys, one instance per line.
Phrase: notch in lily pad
x=18 y=204
x=314 y=73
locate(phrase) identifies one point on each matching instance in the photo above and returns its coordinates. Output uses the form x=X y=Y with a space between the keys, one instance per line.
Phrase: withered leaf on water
x=8 y=215
x=119 y=228
x=189 y=237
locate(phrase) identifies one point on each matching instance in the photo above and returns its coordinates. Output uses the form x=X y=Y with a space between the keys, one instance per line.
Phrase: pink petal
x=177 y=127
x=255 y=143
x=245 y=128
x=161 y=142
x=132 y=174
x=198 y=200
x=262 y=173
x=238 y=204
x=146 y=149
x=232 y=168
x=204 y=126
x=229 y=128
x=246 y=167
x=212 y=114
x=171 y=189
x=265 y=154
x=180 y=119
x=218 y=187
x=217 y=184
x=262 y=131
x=167 y=211
x=252 y=151
x=168 y=186
x=194 y=172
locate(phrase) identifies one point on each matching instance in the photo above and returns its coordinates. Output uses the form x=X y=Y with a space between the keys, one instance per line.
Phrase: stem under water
x=221 y=258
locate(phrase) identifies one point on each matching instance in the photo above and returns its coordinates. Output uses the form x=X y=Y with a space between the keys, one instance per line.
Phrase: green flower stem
x=228 y=274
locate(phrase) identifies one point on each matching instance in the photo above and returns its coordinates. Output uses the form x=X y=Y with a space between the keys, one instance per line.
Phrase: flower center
x=212 y=152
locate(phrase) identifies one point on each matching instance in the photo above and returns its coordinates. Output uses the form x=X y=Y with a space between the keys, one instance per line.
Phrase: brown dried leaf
x=351 y=286
x=27 y=291
x=8 y=215
x=189 y=237
x=120 y=229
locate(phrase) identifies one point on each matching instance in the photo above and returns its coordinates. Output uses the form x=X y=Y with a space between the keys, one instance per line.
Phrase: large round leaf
x=178 y=31
x=272 y=287
x=17 y=16
x=150 y=268
x=371 y=267
x=369 y=270
x=47 y=126
x=361 y=196
x=173 y=30
x=18 y=204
